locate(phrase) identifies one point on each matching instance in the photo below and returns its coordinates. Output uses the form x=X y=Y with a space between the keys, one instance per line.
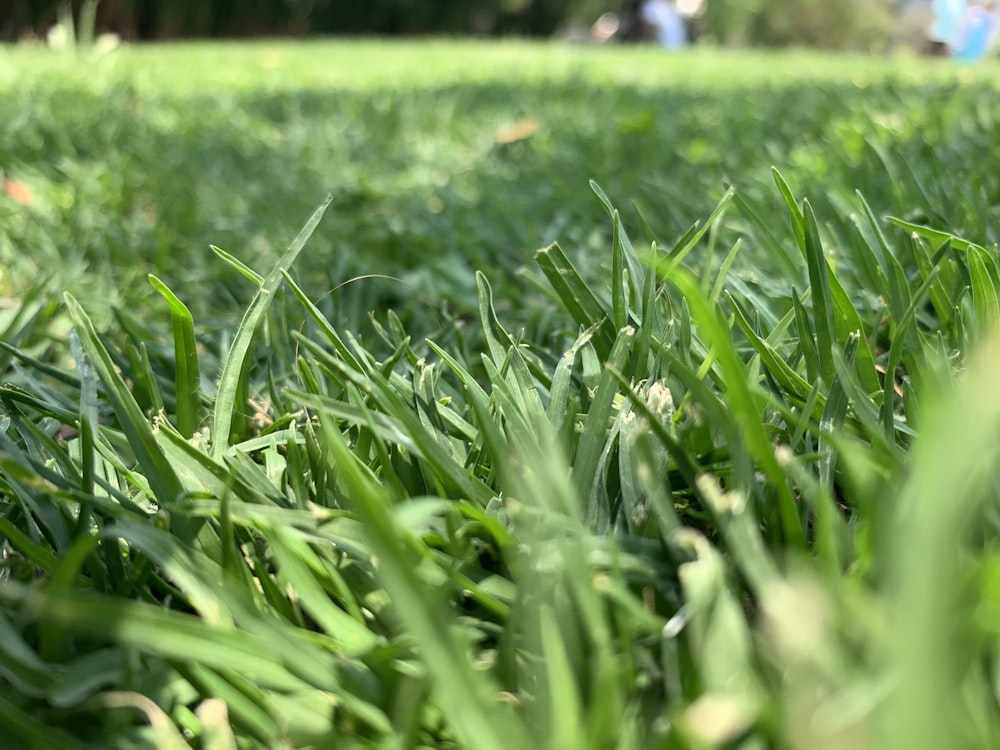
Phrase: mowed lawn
x=467 y=394
x=446 y=157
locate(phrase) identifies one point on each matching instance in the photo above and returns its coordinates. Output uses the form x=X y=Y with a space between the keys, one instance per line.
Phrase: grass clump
x=731 y=490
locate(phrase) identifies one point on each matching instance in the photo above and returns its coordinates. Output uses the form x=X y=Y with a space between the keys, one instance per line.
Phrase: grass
x=711 y=469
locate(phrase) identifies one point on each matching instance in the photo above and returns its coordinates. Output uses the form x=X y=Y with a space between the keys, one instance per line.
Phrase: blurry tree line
x=837 y=24
x=832 y=24
x=163 y=19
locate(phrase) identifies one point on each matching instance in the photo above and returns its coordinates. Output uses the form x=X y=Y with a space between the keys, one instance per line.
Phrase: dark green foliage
x=147 y=19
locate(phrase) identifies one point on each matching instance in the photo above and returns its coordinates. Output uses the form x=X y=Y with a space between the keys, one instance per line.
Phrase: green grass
x=711 y=469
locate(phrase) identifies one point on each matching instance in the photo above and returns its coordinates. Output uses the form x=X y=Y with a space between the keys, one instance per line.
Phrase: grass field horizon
x=441 y=393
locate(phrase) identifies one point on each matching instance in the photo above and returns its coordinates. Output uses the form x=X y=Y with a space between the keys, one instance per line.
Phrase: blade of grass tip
x=576 y=297
x=619 y=311
x=146 y=386
x=727 y=264
x=163 y=482
x=789 y=261
x=187 y=378
x=807 y=339
x=488 y=320
x=636 y=268
x=643 y=367
x=798 y=219
x=791 y=382
x=946 y=276
x=935 y=236
x=88 y=427
x=954 y=457
x=621 y=241
x=57 y=373
x=523 y=387
x=741 y=402
x=239 y=265
x=848 y=323
x=819 y=283
x=896 y=352
x=708 y=257
x=619 y=282
x=805 y=422
x=233 y=370
x=325 y=326
x=691 y=239
x=893 y=274
x=685 y=334
x=595 y=434
x=470 y=697
x=983 y=274
x=490 y=437
x=602 y=197
x=562 y=378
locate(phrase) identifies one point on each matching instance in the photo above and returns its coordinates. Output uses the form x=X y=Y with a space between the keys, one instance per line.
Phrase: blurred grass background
x=444 y=157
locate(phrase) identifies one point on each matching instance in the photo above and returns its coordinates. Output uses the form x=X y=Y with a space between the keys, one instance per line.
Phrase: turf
x=713 y=468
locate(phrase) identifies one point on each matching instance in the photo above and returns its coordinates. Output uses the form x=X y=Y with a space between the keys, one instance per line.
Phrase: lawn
x=481 y=395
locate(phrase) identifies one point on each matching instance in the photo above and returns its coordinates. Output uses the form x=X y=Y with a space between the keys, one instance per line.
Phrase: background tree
x=844 y=24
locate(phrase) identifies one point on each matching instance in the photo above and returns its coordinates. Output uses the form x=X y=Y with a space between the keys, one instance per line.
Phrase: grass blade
x=577 y=298
x=745 y=413
x=187 y=377
x=160 y=474
x=234 y=370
